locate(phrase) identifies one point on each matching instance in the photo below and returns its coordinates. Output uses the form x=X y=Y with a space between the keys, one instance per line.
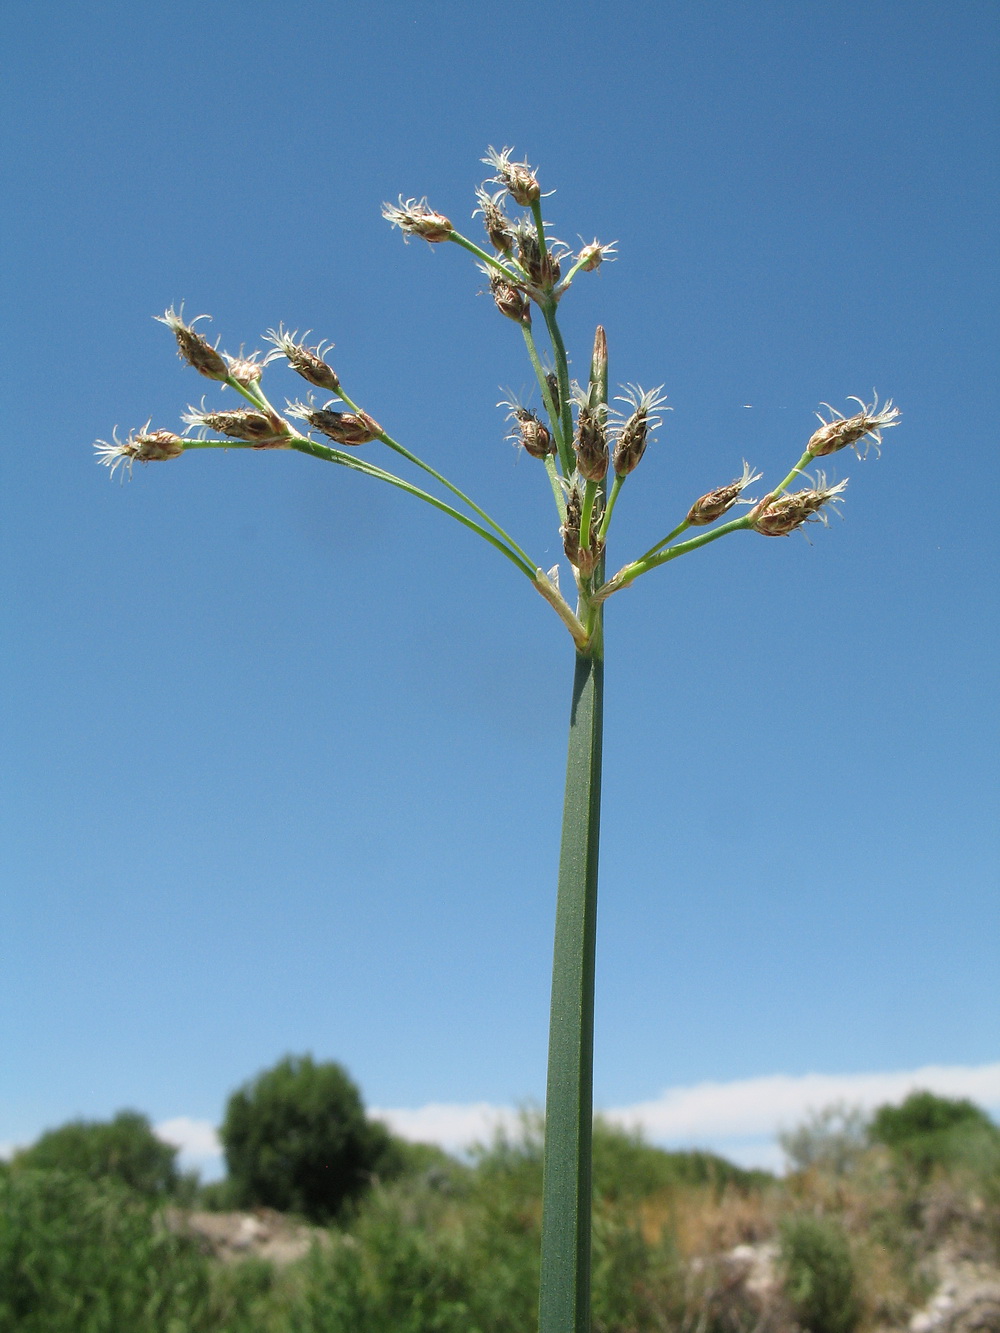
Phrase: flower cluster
x=193 y=347
x=632 y=429
x=306 y=361
x=584 y=552
x=588 y=446
x=517 y=178
x=534 y=437
x=264 y=429
x=718 y=502
x=351 y=428
x=144 y=446
x=777 y=517
x=415 y=218
x=841 y=431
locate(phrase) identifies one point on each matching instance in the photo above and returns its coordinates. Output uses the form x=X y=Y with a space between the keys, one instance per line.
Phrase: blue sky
x=283 y=751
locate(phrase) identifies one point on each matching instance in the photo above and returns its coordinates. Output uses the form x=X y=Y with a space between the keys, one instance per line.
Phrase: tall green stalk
x=578 y=479
x=564 y=1301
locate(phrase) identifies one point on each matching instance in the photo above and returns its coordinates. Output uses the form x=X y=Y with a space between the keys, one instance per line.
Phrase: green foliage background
x=297 y=1139
x=124 y=1149
x=439 y=1245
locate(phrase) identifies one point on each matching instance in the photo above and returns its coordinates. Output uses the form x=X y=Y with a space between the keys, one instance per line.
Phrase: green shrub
x=627 y=1167
x=123 y=1149
x=246 y=1298
x=819 y=1277
x=84 y=1257
x=833 y=1139
x=928 y=1131
x=296 y=1138
x=400 y=1270
x=218 y=1196
x=425 y=1161
x=464 y=1258
x=638 y=1286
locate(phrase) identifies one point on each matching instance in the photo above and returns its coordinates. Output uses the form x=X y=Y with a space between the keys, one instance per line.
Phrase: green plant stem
x=555 y=420
x=512 y=552
x=564 y=1302
x=401 y=449
x=590 y=492
x=565 y=283
x=681 y=527
x=253 y=395
x=631 y=572
x=803 y=462
x=565 y=438
x=548 y=303
x=328 y=455
x=547 y=587
x=218 y=444
x=557 y=491
x=657 y=556
x=515 y=274
x=615 y=491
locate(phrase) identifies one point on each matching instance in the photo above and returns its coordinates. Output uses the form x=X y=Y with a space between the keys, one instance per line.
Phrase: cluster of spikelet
x=588 y=445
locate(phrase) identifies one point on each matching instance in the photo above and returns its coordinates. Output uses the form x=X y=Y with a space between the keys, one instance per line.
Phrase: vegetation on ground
x=124 y=1149
x=844 y=1243
x=297 y=1139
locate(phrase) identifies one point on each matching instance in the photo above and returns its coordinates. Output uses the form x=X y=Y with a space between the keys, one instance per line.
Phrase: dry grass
x=705 y=1221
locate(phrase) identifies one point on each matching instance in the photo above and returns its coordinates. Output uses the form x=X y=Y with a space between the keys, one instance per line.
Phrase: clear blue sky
x=283 y=752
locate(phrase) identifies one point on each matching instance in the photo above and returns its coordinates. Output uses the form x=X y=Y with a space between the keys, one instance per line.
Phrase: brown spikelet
x=348 y=428
x=591 y=445
x=510 y=300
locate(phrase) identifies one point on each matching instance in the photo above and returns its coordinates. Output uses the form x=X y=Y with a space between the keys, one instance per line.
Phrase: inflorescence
x=588 y=446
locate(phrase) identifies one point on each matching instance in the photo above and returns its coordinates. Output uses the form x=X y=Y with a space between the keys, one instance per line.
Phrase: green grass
x=451 y=1247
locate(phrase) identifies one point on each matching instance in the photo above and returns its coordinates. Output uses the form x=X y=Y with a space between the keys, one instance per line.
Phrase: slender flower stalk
x=564 y=1302
x=581 y=444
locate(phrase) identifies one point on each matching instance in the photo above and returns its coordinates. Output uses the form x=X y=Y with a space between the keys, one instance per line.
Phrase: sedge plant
x=587 y=445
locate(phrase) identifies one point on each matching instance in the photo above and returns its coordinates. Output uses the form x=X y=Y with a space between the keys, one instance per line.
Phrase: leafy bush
x=627 y=1167
x=928 y=1131
x=414 y=1261
x=83 y=1257
x=218 y=1196
x=819 y=1277
x=424 y=1160
x=832 y=1139
x=296 y=1138
x=447 y=1247
x=123 y=1149
x=245 y=1298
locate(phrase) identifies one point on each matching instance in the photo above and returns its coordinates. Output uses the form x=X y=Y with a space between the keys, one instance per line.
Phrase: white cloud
x=453 y=1126
x=197 y=1140
x=739 y=1119
x=755 y=1106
